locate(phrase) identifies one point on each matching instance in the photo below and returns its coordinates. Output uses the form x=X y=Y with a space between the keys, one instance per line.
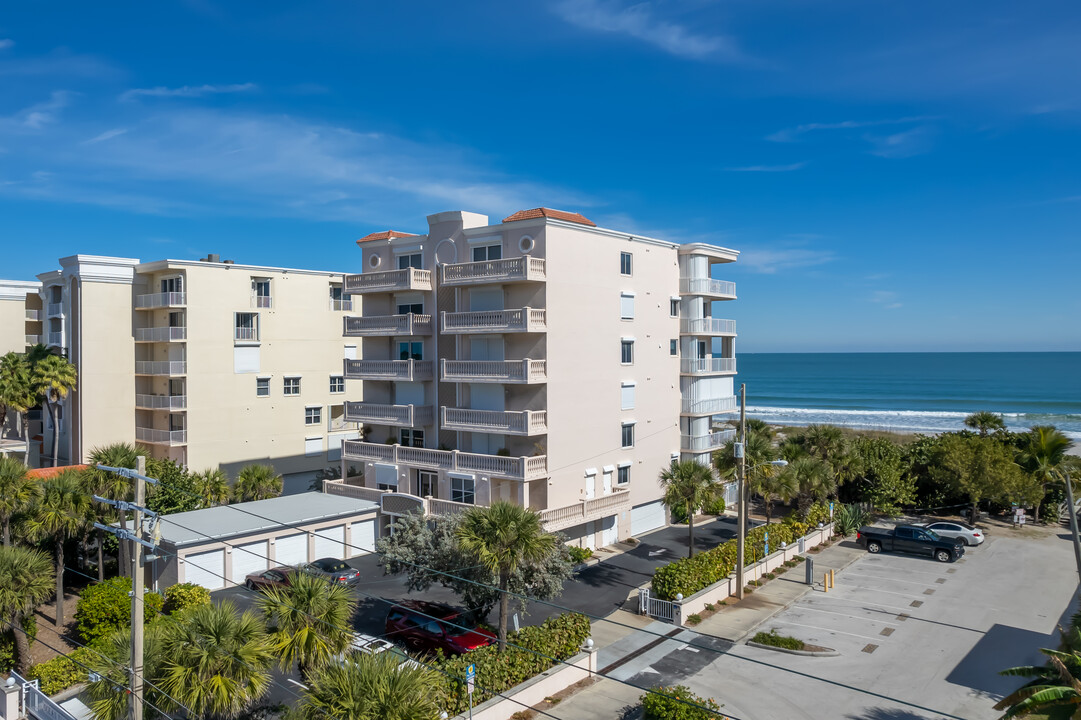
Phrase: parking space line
x=876 y=577
x=831 y=612
x=829 y=630
x=857 y=602
x=875 y=589
x=917 y=572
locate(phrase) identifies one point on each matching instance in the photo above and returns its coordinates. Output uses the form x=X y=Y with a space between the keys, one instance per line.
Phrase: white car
x=371 y=645
x=957 y=530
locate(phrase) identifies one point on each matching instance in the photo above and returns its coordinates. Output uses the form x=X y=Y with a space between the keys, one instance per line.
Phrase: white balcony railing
x=161 y=402
x=33 y=315
x=262 y=301
x=708 y=366
x=405 y=370
x=707 y=286
x=55 y=309
x=250 y=334
x=33 y=339
x=490 y=271
x=709 y=406
x=488 y=321
x=160 y=367
x=703 y=443
x=160 y=334
x=161 y=437
x=584 y=511
x=160 y=300
x=388 y=281
x=508 y=422
x=344 y=304
x=494 y=371
x=376 y=325
x=56 y=338
x=707 y=326
x=514 y=468
x=397 y=415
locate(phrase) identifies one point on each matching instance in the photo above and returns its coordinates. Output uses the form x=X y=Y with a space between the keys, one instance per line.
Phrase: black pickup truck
x=910 y=539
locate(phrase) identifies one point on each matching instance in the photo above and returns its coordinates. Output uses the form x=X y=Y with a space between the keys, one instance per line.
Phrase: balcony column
x=523 y=494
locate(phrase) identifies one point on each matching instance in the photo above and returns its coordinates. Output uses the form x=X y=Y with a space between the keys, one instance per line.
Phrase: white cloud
x=793 y=133
x=187 y=91
x=38 y=115
x=107 y=135
x=886 y=298
x=903 y=144
x=5 y=43
x=639 y=21
x=769 y=168
x=771 y=260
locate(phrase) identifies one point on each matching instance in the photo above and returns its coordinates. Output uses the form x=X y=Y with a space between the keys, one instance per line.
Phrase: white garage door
x=330 y=542
x=291 y=549
x=362 y=538
x=647 y=517
x=249 y=558
x=206 y=569
x=609 y=530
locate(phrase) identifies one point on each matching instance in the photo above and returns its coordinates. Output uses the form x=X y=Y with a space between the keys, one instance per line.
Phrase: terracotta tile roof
x=48 y=472
x=384 y=235
x=549 y=213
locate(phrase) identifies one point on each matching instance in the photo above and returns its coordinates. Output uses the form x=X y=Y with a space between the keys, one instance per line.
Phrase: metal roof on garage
x=225 y=521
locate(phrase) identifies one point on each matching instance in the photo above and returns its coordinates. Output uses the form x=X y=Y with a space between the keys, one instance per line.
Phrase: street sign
x=470 y=674
x=767 y=542
x=831 y=511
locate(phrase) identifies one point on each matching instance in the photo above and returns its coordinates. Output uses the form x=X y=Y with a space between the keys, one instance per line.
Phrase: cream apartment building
x=20 y=327
x=542 y=360
x=207 y=362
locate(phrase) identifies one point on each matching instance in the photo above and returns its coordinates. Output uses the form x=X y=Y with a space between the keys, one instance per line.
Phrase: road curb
x=828 y=652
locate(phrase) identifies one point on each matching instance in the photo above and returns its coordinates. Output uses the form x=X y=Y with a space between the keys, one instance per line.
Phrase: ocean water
x=913 y=392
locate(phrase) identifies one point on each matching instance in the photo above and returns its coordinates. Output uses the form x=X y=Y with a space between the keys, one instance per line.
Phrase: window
x=626 y=306
x=673 y=347
x=406 y=308
x=262 y=387
x=247 y=326
x=260 y=292
x=673 y=307
x=337 y=300
x=626 y=351
x=487 y=252
x=623 y=474
x=291 y=386
x=168 y=285
x=410 y=437
x=411 y=350
x=427 y=483
x=337 y=384
x=624 y=263
x=313 y=415
x=414 y=260
x=463 y=490
x=628 y=435
x=627 y=396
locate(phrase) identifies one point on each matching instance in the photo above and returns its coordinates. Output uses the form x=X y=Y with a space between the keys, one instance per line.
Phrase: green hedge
x=61 y=672
x=580 y=554
x=183 y=596
x=775 y=640
x=690 y=575
x=559 y=637
x=678 y=703
x=106 y=606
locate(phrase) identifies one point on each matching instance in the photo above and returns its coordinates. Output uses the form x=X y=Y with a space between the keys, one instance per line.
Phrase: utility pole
x=741 y=522
x=137 y=580
x=1073 y=523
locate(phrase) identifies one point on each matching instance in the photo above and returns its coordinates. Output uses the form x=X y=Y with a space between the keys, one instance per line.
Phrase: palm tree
x=985 y=420
x=1043 y=457
x=212 y=486
x=504 y=537
x=61 y=513
x=52 y=378
x=308 y=621
x=373 y=687
x=257 y=482
x=216 y=661
x=1054 y=685
x=773 y=486
x=25 y=582
x=17 y=392
x=823 y=441
x=758 y=451
x=115 y=487
x=689 y=485
x=17 y=492
x=814 y=479
x=110 y=698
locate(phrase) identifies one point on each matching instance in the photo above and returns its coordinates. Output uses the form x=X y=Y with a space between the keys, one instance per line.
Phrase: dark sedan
x=333 y=570
x=275 y=577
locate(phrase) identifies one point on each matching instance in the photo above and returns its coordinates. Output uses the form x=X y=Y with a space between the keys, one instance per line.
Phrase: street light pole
x=1073 y=524
x=741 y=522
x=137 y=594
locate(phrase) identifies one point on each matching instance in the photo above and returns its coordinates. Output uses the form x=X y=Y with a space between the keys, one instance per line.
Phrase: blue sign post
x=767 y=542
x=470 y=676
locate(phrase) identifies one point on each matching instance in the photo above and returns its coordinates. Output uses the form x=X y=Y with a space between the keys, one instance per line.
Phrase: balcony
x=404 y=370
x=339 y=305
x=55 y=309
x=161 y=334
x=513 y=468
x=161 y=300
x=262 y=301
x=168 y=368
x=707 y=326
x=706 y=443
x=153 y=436
x=525 y=320
x=56 y=339
x=511 y=372
x=388 y=281
x=161 y=402
x=388 y=325
x=33 y=339
x=246 y=334
x=719 y=289
x=508 y=422
x=708 y=366
x=586 y=510
x=33 y=315
x=396 y=415
x=519 y=269
x=709 y=406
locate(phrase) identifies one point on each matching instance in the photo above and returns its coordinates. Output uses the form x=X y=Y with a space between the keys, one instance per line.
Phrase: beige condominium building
x=207 y=362
x=21 y=314
x=542 y=360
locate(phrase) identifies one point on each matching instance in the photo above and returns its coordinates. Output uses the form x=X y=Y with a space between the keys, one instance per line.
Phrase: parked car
x=274 y=577
x=910 y=539
x=956 y=530
x=334 y=570
x=967 y=513
x=371 y=645
x=429 y=626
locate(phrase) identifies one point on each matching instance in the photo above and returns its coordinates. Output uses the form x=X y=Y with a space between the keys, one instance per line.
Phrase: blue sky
x=897 y=175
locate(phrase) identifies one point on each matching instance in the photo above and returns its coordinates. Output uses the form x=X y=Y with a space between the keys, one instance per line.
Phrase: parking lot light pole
x=1073 y=524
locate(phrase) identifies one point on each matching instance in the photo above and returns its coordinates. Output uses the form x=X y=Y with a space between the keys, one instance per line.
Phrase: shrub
x=183 y=596
x=773 y=639
x=106 y=606
x=678 y=514
x=817 y=513
x=711 y=607
x=8 y=650
x=678 y=703
x=850 y=518
x=748 y=590
x=694 y=619
x=799 y=559
x=61 y=672
x=716 y=507
x=580 y=554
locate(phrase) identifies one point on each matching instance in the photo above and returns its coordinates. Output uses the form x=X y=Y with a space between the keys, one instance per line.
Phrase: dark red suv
x=428 y=626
